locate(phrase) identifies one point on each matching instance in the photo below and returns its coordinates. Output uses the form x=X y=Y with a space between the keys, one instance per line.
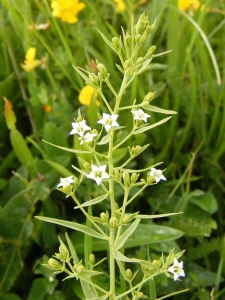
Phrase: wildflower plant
x=116 y=226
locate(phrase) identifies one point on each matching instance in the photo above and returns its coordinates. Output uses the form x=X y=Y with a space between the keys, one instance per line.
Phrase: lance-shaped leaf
x=148 y=127
x=119 y=256
x=122 y=239
x=74 y=226
x=156 y=216
x=160 y=110
x=67 y=149
x=93 y=201
x=59 y=168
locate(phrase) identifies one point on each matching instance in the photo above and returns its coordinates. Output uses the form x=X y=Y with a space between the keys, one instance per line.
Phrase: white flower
x=140 y=115
x=98 y=173
x=109 y=121
x=177 y=269
x=157 y=174
x=65 y=181
x=79 y=128
x=88 y=137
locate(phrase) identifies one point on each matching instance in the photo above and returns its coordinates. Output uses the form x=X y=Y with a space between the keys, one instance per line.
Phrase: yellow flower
x=30 y=62
x=120 y=6
x=188 y=4
x=66 y=10
x=86 y=95
x=47 y=108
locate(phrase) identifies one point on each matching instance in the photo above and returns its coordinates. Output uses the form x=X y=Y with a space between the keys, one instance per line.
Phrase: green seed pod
x=126 y=179
x=87 y=166
x=117 y=175
x=135 y=151
x=149 y=97
x=128 y=41
x=128 y=72
x=116 y=42
x=127 y=64
x=104 y=217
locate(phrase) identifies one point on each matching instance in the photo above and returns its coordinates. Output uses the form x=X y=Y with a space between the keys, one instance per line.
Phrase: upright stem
x=112 y=265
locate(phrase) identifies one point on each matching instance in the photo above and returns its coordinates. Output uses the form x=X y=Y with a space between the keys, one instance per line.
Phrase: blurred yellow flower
x=120 y=6
x=30 y=62
x=188 y=4
x=47 y=108
x=66 y=10
x=86 y=95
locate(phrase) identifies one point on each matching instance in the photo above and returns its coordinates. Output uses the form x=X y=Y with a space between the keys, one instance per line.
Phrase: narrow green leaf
x=73 y=225
x=59 y=168
x=119 y=256
x=160 y=110
x=87 y=80
x=67 y=149
x=123 y=238
x=143 y=129
x=93 y=201
x=156 y=216
x=20 y=148
x=119 y=68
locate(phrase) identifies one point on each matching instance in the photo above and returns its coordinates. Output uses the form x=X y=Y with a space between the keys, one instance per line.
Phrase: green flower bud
x=104 y=217
x=59 y=256
x=128 y=41
x=80 y=269
x=138 y=38
x=135 y=151
x=54 y=264
x=149 y=97
x=134 y=178
x=63 y=251
x=127 y=64
x=128 y=273
x=139 y=294
x=87 y=166
x=156 y=264
x=116 y=42
x=79 y=119
x=91 y=258
x=113 y=222
x=126 y=179
x=94 y=79
x=117 y=175
x=102 y=69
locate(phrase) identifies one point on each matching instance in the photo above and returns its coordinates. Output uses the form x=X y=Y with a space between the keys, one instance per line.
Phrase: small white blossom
x=177 y=269
x=98 y=173
x=79 y=128
x=157 y=174
x=109 y=121
x=87 y=138
x=140 y=115
x=65 y=181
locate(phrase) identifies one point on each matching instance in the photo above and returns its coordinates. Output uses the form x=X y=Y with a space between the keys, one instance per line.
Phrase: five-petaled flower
x=177 y=269
x=109 y=121
x=30 y=62
x=140 y=115
x=98 y=173
x=79 y=128
x=66 y=10
x=87 y=138
x=157 y=175
x=65 y=182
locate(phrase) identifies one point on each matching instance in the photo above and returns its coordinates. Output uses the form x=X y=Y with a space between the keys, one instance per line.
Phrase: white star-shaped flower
x=109 y=121
x=140 y=115
x=177 y=269
x=79 y=128
x=98 y=173
x=65 y=181
x=157 y=174
x=87 y=138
